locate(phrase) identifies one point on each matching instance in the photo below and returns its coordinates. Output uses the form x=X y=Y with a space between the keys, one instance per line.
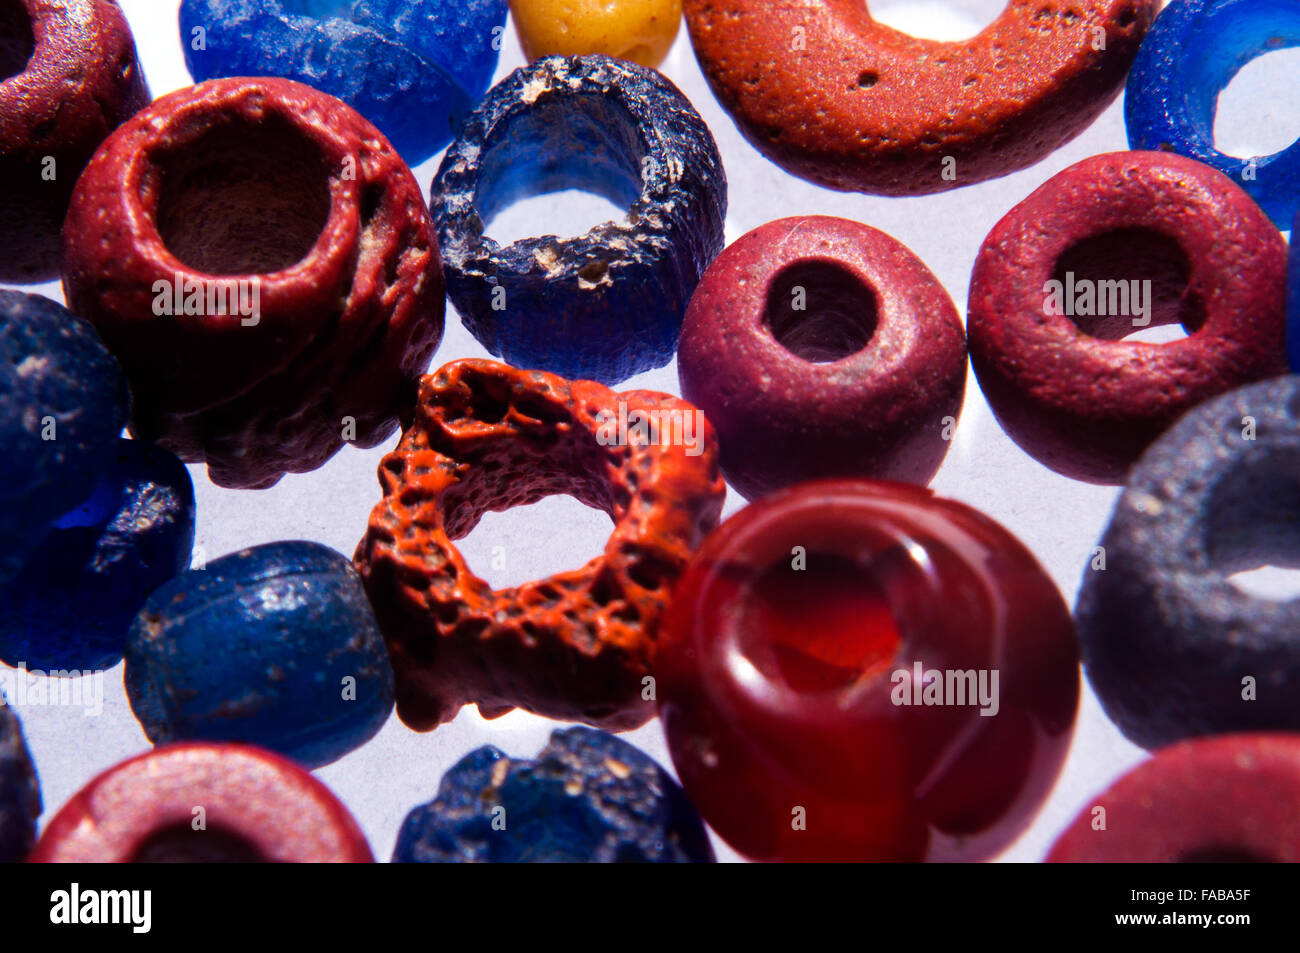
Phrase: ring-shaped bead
x=1191 y=53
x=1087 y=403
x=576 y=645
x=833 y=96
x=1170 y=643
x=608 y=304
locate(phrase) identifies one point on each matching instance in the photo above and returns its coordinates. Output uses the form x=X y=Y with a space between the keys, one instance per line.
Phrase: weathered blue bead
x=274 y=646
x=1191 y=53
x=20 y=794
x=71 y=605
x=608 y=304
x=588 y=797
x=414 y=68
x=63 y=403
x=1293 y=299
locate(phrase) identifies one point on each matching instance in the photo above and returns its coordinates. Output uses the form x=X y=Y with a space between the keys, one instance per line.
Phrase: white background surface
x=1059 y=519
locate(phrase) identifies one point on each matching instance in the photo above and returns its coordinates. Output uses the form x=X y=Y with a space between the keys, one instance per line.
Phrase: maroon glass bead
x=787 y=677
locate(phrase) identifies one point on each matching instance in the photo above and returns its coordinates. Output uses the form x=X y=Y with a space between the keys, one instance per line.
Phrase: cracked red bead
x=788 y=666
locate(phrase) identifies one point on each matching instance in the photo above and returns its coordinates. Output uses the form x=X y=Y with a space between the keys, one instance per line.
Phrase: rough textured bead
x=63 y=401
x=820 y=347
x=262 y=263
x=1191 y=54
x=587 y=798
x=639 y=30
x=1067 y=388
x=68 y=77
x=20 y=793
x=72 y=603
x=835 y=97
x=608 y=304
x=274 y=646
x=811 y=677
x=414 y=68
x=575 y=645
x=1168 y=640
x=1232 y=799
x=257 y=807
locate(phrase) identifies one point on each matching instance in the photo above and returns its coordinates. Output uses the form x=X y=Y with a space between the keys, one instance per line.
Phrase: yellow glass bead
x=637 y=30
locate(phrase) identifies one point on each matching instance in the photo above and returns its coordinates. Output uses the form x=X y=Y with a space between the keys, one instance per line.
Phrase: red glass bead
x=787 y=677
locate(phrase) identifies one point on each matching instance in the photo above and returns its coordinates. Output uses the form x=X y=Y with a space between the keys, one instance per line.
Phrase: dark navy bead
x=588 y=797
x=274 y=646
x=608 y=304
x=63 y=403
x=71 y=605
x=1172 y=647
x=414 y=68
x=1190 y=54
x=20 y=794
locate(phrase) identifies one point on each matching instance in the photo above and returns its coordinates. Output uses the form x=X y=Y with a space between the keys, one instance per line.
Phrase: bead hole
x=243 y=198
x=1252 y=527
x=1249 y=120
x=1126 y=284
x=181 y=844
x=820 y=628
x=947 y=20
x=1222 y=854
x=820 y=312
x=17 y=42
x=573 y=162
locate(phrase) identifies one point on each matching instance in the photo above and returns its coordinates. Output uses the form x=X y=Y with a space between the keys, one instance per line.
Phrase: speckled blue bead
x=1190 y=54
x=71 y=605
x=20 y=794
x=63 y=403
x=274 y=646
x=608 y=304
x=1293 y=299
x=588 y=797
x=414 y=68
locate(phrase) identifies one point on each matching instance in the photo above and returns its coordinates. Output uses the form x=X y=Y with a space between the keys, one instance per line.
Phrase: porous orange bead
x=637 y=30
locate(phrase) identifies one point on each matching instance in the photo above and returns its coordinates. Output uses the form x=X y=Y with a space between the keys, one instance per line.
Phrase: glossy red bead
x=786 y=669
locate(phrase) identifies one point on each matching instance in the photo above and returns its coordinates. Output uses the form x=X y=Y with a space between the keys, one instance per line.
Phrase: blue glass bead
x=1293 y=299
x=20 y=794
x=71 y=605
x=414 y=68
x=1190 y=54
x=608 y=304
x=588 y=797
x=63 y=403
x=273 y=646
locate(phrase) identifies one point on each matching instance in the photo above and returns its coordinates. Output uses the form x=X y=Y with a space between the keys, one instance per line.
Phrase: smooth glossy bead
x=274 y=646
x=262 y=263
x=1191 y=54
x=608 y=304
x=74 y=600
x=821 y=347
x=68 y=77
x=1172 y=647
x=639 y=30
x=1232 y=799
x=857 y=670
x=575 y=645
x=586 y=798
x=414 y=68
x=63 y=402
x=255 y=807
x=20 y=792
x=1052 y=301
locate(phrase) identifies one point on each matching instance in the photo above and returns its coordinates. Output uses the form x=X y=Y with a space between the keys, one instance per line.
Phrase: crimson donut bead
x=262 y=263
x=69 y=77
x=821 y=347
x=255 y=806
x=830 y=95
x=1066 y=387
x=1224 y=799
